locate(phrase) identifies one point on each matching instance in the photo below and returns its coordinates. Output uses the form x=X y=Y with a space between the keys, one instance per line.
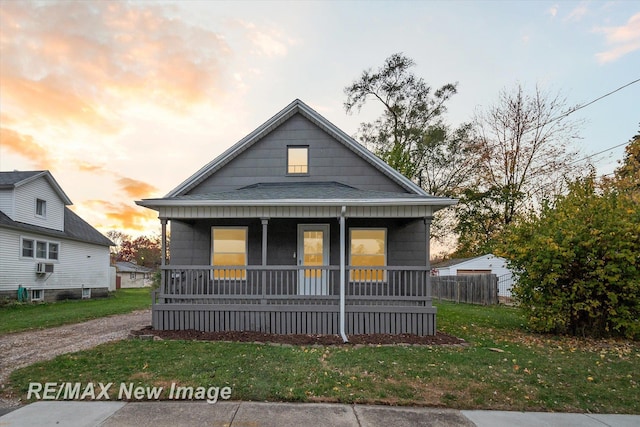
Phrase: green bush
x=578 y=263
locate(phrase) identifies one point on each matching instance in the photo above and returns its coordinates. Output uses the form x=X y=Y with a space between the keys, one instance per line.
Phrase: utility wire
x=595 y=154
x=580 y=107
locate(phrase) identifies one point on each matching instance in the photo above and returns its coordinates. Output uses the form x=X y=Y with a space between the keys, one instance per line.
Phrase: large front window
x=368 y=250
x=229 y=248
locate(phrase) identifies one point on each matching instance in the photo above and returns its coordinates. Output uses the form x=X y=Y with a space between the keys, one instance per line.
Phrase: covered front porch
x=345 y=265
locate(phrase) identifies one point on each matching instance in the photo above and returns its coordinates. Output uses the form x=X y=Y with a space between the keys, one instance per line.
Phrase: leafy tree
x=411 y=135
x=627 y=176
x=578 y=263
x=524 y=143
x=117 y=237
x=142 y=250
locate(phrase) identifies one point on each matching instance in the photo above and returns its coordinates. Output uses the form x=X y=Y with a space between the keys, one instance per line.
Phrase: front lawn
x=503 y=367
x=16 y=317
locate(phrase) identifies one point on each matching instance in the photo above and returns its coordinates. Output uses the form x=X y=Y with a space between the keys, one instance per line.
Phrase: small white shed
x=485 y=264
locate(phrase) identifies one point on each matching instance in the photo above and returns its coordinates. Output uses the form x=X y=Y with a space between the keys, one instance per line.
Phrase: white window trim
x=33 y=247
x=35 y=256
x=86 y=293
x=46 y=246
x=246 y=247
x=386 y=249
x=33 y=291
x=49 y=243
x=44 y=204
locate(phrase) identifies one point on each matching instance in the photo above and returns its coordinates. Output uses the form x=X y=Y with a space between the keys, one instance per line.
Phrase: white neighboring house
x=46 y=250
x=485 y=264
x=132 y=275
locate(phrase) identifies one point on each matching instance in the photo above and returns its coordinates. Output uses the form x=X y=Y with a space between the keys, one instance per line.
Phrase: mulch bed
x=299 y=339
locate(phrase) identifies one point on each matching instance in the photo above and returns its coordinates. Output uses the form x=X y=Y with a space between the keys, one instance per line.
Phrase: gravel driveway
x=24 y=348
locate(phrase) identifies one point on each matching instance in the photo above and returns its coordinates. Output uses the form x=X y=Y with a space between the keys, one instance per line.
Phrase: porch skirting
x=295 y=319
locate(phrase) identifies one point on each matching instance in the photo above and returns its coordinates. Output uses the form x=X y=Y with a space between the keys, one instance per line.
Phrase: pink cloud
x=622 y=40
x=81 y=62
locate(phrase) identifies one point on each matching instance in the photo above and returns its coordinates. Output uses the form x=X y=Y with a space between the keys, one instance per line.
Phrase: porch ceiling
x=298 y=200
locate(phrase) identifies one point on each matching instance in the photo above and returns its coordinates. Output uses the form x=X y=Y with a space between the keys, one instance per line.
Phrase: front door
x=313 y=250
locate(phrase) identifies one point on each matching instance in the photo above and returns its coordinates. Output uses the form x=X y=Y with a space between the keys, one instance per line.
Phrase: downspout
x=342 y=272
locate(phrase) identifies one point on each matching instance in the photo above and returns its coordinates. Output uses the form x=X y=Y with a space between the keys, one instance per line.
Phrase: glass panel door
x=313 y=250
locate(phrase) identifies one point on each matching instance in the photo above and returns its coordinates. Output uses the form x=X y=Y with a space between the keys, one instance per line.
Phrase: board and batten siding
x=266 y=161
x=25 y=204
x=79 y=264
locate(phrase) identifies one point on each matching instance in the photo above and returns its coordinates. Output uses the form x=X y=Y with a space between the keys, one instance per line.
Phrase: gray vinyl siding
x=407 y=244
x=191 y=242
x=329 y=160
x=25 y=204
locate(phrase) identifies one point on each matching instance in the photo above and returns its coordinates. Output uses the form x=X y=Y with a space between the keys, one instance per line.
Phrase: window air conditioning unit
x=42 y=268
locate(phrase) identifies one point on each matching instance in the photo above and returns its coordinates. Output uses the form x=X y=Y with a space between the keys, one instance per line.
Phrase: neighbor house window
x=37 y=294
x=41 y=207
x=132 y=276
x=41 y=249
x=86 y=293
x=53 y=251
x=297 y=160
x=27 y=248
x=368 y=250
x=229 y=248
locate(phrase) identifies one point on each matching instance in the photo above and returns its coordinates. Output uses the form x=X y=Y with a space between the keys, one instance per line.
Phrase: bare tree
x=527 y=155
x=526 y=147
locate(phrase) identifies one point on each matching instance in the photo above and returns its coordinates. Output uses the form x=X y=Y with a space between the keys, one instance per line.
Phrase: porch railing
x=294 y=300
x=288 y=284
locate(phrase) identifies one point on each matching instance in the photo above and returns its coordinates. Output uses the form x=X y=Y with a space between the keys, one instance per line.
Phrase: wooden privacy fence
x=479 y=289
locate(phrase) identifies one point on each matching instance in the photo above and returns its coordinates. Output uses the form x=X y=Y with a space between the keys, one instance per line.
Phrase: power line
x=580 y=107
x=600 y=152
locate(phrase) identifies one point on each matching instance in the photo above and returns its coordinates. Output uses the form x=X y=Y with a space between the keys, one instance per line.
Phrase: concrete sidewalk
x=256 y=414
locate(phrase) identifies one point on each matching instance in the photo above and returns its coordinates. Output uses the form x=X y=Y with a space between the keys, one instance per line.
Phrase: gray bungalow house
x=297 y=229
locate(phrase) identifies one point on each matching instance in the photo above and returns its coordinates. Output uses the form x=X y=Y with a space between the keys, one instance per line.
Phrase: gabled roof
x=17 y=178
x=296 y=107
x=75 y=228
x=459 y=261
x=130 y=267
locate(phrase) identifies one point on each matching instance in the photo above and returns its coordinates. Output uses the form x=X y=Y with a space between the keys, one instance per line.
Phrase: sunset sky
x=125 y=100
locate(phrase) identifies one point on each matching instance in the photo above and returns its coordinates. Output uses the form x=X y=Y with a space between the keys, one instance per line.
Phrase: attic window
x=297 y=160
x=41 y=208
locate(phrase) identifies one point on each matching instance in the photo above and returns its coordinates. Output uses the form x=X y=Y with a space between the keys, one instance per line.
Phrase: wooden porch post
x=163 y=258
x=427 y=233
x=163 y=255
x=265 y=223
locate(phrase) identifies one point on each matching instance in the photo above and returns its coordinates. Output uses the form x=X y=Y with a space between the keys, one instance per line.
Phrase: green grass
x=503 y=367
x=22 y=317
